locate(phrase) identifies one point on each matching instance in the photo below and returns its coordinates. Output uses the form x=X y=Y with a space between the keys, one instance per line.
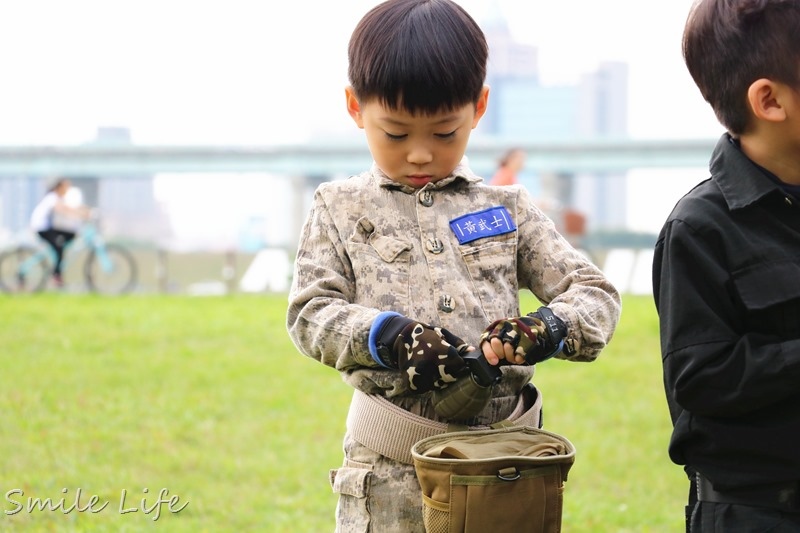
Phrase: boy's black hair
x=729 y=44
x=423 y=56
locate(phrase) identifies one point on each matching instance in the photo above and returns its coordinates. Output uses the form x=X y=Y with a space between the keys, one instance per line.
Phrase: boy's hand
x=428 y=357
x=523 y=340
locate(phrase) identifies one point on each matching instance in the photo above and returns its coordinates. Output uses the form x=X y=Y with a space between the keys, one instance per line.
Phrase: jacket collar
x=461 y=173
x=741 y=181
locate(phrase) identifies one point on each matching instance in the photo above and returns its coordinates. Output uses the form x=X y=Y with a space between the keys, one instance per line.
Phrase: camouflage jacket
x=370 y=244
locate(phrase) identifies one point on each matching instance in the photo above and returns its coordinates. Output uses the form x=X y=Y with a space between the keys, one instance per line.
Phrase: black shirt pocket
x=770 y=293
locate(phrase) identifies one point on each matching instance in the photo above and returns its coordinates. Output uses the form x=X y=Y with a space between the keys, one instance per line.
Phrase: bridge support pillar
x=557 y=187
x=303 y=188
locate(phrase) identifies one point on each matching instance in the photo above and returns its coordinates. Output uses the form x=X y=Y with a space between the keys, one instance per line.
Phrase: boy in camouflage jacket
x=406 y=267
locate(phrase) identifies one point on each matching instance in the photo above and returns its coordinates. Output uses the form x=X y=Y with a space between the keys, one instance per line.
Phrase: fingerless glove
x=536 y=337
x=428 y=357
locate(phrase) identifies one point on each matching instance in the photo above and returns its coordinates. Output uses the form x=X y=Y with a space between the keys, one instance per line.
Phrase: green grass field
x=207 y=401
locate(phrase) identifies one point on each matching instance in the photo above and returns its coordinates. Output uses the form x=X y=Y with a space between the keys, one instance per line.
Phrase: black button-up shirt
x=726 y=281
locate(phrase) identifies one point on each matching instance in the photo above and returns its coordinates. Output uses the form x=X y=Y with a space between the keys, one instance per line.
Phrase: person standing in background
x=509 y=167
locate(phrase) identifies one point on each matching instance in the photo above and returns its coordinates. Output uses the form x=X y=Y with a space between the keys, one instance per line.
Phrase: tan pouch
x=506 y=479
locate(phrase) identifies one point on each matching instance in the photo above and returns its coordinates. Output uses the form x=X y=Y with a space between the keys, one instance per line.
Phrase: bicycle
x=108 y=268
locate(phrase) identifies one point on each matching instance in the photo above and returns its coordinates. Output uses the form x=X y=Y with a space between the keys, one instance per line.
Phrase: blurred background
x=200 y=129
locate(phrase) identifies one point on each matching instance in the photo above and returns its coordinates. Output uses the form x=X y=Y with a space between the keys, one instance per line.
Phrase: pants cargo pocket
x=351 y=483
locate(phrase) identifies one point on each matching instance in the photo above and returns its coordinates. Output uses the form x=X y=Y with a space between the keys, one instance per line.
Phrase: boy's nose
x=419 y=155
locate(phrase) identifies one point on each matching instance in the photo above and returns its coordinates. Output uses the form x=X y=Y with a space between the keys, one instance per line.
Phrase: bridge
x=309 y=163
x=335 y=158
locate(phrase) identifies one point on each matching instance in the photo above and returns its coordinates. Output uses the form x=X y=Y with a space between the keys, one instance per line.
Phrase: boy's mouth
x=418 y=180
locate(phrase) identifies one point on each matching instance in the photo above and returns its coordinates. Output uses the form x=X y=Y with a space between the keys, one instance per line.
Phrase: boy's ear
x=766 y=100
x=353 y=107
x=480 y=106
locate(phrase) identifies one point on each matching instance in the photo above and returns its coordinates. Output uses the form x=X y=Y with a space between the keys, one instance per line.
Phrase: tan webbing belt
x=392 y=431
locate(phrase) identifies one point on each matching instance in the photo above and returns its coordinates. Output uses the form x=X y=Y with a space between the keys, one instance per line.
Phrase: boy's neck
x=775 y=155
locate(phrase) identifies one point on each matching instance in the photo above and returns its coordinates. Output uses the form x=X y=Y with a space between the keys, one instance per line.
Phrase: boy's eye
x=446 y=135
x=395 y=137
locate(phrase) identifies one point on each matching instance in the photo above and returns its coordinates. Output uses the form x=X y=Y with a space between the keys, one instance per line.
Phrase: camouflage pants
x=375 y=493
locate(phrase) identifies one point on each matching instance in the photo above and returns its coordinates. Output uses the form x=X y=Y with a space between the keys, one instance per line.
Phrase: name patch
x=486 y=223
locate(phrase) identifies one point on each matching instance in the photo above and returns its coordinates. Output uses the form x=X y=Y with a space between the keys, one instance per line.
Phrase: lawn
x=197 y=414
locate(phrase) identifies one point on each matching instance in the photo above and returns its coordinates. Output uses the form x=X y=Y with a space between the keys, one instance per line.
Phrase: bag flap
x=503 y=444
x=486 y=445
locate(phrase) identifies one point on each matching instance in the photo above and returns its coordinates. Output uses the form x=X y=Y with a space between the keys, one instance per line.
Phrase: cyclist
x=46 y=221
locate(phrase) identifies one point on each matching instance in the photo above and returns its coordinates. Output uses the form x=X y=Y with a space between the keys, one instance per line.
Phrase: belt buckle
x=789 y=496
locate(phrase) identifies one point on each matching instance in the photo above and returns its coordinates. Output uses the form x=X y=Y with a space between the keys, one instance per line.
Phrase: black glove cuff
x=387 y=335
x=556 y=329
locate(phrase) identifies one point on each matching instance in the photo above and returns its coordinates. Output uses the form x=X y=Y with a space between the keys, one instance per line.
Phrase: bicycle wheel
x=110 y=269
x=24 y=269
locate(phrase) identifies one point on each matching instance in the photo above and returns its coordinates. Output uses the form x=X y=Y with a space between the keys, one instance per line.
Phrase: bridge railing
x=313 y=159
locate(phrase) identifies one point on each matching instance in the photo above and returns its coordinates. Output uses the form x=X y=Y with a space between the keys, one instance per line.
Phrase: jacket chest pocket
x=382 y=266
x=770 y=293
x=492 y=266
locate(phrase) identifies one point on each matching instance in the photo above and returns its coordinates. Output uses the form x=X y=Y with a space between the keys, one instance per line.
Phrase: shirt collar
x=462 y=172
x=793 y=190
x=741 y=181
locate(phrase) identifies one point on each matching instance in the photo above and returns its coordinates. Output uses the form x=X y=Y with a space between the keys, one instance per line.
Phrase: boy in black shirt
x=726 y=276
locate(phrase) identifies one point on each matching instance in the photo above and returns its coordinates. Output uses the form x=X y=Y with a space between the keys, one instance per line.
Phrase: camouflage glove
x=427 y=357
x=535 y=337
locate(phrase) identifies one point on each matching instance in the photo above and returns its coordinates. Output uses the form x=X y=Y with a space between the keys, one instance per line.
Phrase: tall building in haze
x=18 y=196
x=127 y=204
x=523 y=110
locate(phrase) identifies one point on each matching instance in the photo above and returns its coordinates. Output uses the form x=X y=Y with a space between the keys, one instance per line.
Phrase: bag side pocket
x=435 y=515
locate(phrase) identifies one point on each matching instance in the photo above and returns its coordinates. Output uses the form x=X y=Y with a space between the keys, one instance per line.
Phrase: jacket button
x=435 y=246
x=426 y=198
x=446 y=304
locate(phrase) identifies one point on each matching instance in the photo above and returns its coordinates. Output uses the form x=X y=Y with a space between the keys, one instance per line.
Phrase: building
x=18 y=196
x=522 y=109
x=127 y=205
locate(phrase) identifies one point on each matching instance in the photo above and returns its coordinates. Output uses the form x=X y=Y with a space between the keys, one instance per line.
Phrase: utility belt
x=781 y=496
x=392 y=431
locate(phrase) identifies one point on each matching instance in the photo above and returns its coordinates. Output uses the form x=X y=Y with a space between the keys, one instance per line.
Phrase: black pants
x=710 y=517
x=714 y=517
x=57 y=239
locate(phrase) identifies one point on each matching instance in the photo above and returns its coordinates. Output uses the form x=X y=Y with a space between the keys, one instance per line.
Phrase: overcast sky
x=265 y=72
x=262 y=72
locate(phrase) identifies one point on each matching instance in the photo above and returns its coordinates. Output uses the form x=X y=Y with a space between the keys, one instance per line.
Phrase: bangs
x=424 y=59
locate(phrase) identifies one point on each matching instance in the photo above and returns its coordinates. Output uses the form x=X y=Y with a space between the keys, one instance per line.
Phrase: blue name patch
x=486 y=223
